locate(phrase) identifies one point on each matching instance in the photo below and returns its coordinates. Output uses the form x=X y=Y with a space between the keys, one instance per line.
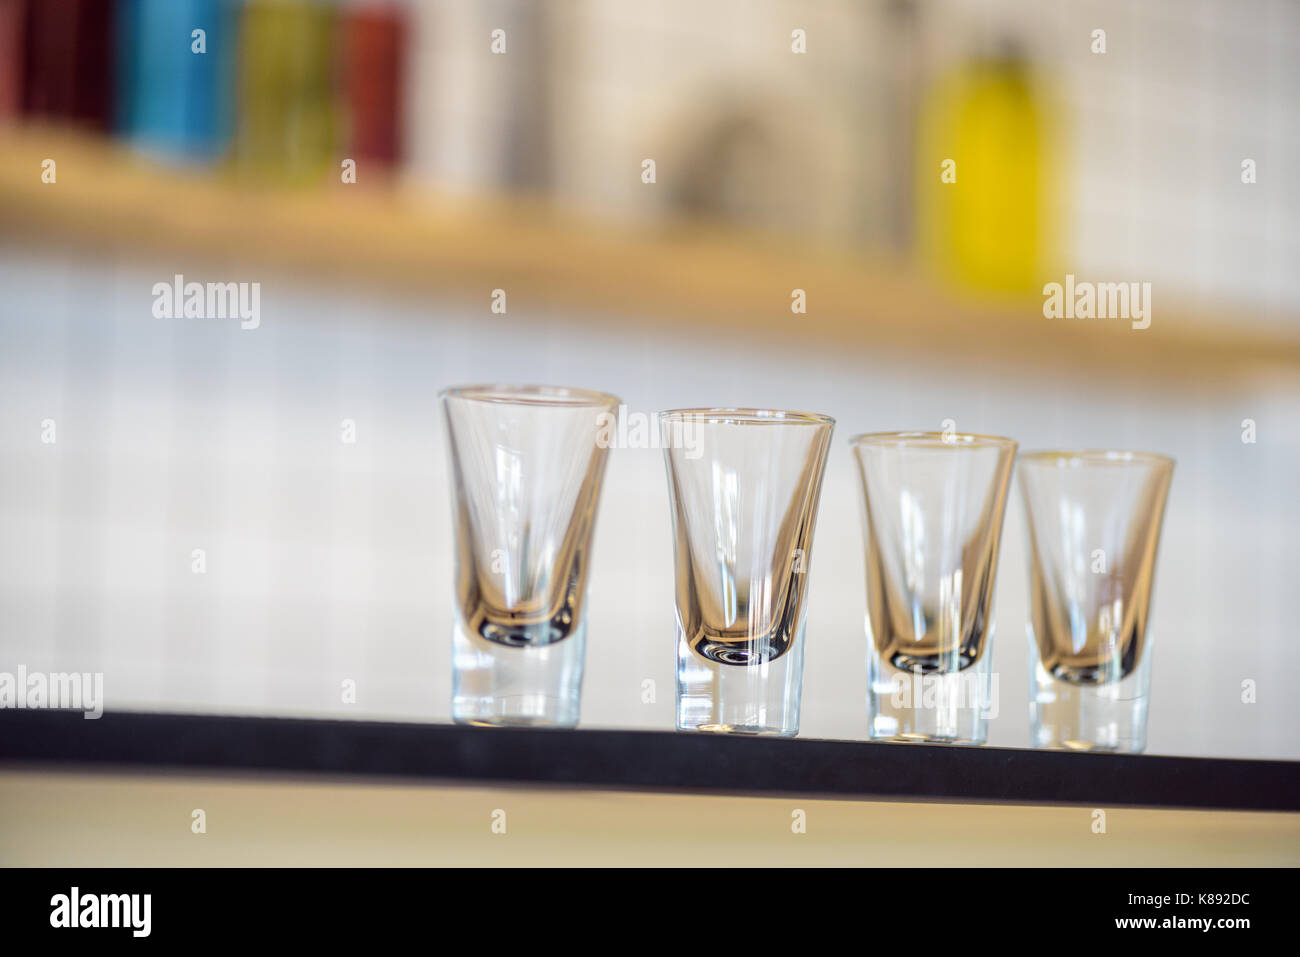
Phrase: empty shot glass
x=932 y=507
x=526 y=469
x=1093 y=521
x=743 y=486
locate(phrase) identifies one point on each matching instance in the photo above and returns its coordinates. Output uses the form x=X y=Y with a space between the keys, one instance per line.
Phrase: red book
x=12 y=22
x=374 y=55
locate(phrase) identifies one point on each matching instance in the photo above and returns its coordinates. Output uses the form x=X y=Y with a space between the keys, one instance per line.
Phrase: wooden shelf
x=656 y=280
x=641 y=761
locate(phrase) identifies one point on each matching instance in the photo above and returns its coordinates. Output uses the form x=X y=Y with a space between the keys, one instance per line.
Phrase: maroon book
x=68 y=73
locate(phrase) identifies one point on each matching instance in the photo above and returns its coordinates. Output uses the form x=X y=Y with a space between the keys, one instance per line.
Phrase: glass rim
x=545 y=395
x=923 y=438
x=1075 y=458
x=746 y=416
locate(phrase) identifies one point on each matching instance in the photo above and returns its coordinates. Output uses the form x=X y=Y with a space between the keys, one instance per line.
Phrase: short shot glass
x=1093 y=520
x=933 y=505
x=743 y=486
x=526 y=467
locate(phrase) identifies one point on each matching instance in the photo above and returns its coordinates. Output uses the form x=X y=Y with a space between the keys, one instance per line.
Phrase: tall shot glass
x=526 y=468
x=933 y=505
x=743 y=485
x=1093 y=520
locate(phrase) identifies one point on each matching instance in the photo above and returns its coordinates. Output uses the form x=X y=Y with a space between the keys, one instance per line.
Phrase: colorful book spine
x=374 y=38
x=68 y=71
x=13 y=22
x=176 y=75
x=287 y=125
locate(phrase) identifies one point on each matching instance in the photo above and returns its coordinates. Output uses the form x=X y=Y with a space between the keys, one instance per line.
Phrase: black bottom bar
x=646 y=760
x=483 y=912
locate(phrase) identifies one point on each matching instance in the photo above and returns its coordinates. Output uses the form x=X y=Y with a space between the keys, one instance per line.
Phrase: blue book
x=175 y=75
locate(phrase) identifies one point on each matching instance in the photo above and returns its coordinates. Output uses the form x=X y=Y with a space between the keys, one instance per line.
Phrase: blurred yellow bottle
x=983 y=178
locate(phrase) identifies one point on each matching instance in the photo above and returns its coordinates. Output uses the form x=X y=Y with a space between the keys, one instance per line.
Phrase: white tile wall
x=1152 y=135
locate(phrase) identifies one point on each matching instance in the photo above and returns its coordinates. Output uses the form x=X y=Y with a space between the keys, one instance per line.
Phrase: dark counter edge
x=641 y=761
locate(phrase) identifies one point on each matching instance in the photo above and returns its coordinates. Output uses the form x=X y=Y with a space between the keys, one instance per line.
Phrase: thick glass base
x=504 y=686
x=1109 y=717
x=911 y=708
x=759 y=699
